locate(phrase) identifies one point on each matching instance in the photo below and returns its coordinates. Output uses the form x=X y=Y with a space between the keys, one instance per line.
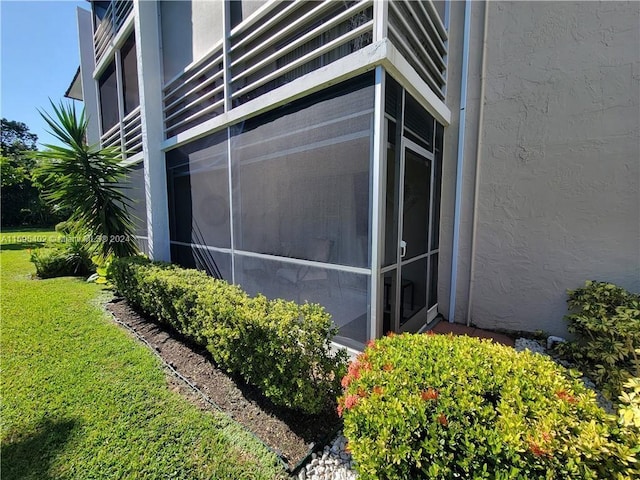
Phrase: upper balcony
x=215 y=60
x=284 y=40
x=109 y=17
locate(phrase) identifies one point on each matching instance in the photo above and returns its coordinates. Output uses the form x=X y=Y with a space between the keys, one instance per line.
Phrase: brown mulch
x=292 y=435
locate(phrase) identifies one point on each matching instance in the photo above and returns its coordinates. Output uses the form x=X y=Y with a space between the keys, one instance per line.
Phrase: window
x=100 y=10
x=129 y=66
x=108 y=87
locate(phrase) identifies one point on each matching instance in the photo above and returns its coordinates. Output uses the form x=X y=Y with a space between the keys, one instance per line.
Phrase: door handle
x=403 y=248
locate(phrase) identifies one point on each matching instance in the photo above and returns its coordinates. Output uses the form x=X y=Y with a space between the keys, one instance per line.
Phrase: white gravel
x=333 y=463
x=532 y=345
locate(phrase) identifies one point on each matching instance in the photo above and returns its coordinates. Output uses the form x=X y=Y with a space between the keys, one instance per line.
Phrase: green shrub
x=427 y=406
x=68 y=259
x=606 y=321
x=280 y=347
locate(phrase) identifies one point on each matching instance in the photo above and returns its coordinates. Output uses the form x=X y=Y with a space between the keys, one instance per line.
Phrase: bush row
x=280 y=347
x=427 y=406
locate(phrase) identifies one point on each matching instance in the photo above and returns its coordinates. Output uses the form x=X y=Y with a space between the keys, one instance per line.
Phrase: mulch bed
x=292 y=435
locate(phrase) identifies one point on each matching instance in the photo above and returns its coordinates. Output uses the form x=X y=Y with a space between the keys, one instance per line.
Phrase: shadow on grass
x=31 y=457
x=22 y=246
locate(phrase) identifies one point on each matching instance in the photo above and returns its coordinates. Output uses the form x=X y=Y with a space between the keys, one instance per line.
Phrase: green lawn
x=82 y=399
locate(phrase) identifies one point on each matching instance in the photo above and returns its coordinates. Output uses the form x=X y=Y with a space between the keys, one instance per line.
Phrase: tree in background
x=19 y=193
x=87 y=180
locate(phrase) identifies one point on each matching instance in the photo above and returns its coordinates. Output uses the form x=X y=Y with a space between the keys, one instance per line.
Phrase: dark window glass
x=433 y=280
x=437 y=181
x=100 y=9
x=108 y=87
x=416 y=204
x=392 y=97
x=418 y=124
x=130 y=75
x=392 y=196
x=235 y=12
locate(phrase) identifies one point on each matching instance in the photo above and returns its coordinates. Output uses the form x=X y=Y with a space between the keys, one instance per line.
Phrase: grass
x=82 y=399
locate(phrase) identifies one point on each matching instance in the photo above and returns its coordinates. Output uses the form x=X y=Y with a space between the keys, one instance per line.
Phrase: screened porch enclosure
x=281 y=204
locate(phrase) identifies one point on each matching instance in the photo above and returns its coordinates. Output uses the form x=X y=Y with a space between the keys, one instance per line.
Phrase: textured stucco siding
x=189 y=30
x=559 y=168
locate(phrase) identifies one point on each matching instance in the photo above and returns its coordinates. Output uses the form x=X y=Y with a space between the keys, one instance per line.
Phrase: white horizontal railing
x=283 y=41
x=105 y=32
x=196 y=94
x=132 y=132
x=112 y=137
x=327 y=47
x=416 y=30
x=296 y=40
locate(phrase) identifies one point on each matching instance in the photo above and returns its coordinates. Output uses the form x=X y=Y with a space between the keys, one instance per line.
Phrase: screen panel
x=198 y=177
x=301 y=179
x=344 y=295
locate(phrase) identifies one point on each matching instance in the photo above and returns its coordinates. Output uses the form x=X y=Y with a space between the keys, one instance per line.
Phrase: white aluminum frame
x=418 y=319
x=376 y=222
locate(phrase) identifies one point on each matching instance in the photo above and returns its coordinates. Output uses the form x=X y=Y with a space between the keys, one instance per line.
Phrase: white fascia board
x=405 y=74
x=87 y=64
x=120 y=38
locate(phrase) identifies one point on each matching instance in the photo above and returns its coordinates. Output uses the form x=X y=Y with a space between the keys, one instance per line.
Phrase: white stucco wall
x=189 y=30
x=559 y=184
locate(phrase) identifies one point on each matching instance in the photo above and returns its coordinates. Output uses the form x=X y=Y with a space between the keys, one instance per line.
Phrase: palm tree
x=85 y=179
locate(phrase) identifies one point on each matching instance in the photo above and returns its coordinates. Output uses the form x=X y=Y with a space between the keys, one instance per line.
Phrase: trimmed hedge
x=278 y=346
x=435 y=406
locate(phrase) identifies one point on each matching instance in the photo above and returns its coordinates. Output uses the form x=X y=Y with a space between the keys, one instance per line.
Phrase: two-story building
x=391 y=160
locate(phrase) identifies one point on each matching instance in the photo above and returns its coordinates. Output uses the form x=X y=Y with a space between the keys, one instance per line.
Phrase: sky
x=39 y=56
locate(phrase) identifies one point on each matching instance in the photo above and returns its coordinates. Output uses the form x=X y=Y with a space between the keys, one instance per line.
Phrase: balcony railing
x=132 y=132
x=196 y=95
x=126 y=135
x=116 y=14
x=293 y=38
x=112 y=137
x=416 y=30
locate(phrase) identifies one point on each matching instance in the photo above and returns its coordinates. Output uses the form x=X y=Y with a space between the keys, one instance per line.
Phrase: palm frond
x=88 y=181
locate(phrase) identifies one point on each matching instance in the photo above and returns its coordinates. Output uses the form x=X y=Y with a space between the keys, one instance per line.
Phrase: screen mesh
x=301 y=180
x=199 y=181
x=108 y=90
x=217 y=264
x=133 y=188
x=344 y=295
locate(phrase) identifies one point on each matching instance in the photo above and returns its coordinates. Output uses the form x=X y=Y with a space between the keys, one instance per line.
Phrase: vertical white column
x=226 y=32
x=380 y=15
x=377 y=172
x=148 y=42
x=87 y=66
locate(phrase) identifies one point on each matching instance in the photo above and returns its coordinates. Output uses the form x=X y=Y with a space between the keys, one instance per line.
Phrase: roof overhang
x=75 y=89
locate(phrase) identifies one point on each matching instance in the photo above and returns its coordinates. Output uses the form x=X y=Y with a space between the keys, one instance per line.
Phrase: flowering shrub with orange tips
x=436 y=406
